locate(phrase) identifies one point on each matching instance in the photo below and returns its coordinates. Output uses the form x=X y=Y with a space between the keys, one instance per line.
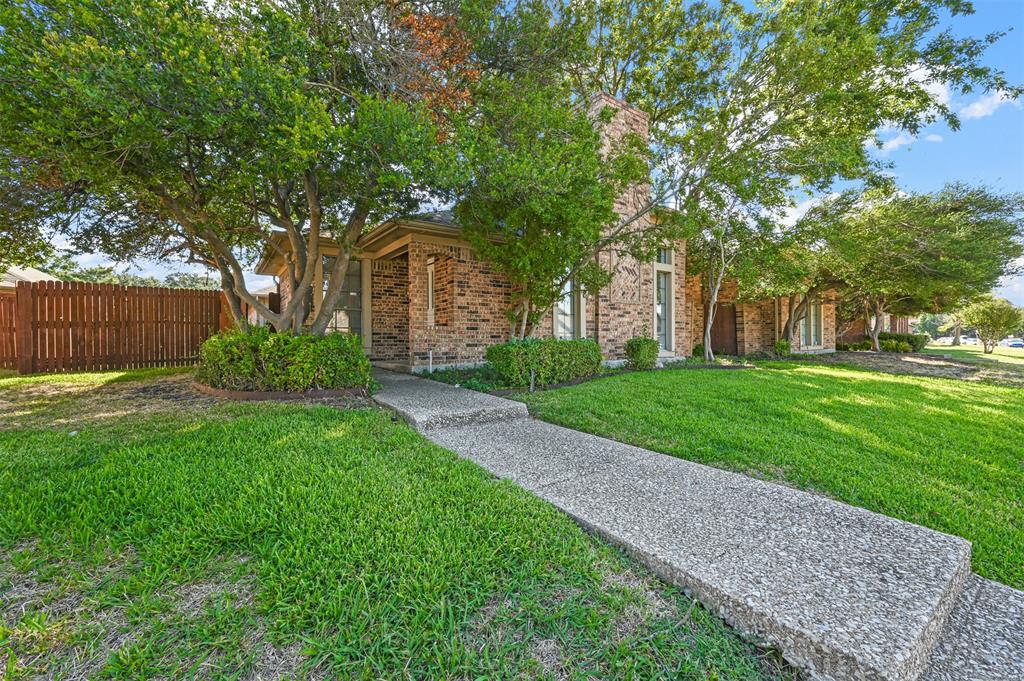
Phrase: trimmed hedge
x=860 y=345
x=783 y=348
x=553 y=361
x=893 y=345
x=642 y=352
x=261 y=360
x=916 y=341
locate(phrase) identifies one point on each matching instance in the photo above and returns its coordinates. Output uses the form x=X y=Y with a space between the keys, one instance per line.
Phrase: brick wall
x=389 y=282
x=758 y=323
x=475 y=314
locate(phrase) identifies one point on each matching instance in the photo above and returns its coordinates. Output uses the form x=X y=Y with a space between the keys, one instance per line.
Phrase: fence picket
x=75 y=326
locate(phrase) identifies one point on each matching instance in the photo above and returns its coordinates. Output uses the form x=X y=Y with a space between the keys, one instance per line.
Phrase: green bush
x=916 y=341
x=892 y=345
x=698 y=351
x=262 y=360
x=861 y=345
x=642 y=352
x=553 y=361
x=783 y=348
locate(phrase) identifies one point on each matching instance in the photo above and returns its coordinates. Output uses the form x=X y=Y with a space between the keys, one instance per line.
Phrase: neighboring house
x=417 y=295
x=856 y=330
x=10 y=278
x=267 y=296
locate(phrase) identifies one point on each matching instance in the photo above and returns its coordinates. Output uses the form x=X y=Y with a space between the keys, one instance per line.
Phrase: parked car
x=966 y=340
x=1012 y=342
x=944 y=340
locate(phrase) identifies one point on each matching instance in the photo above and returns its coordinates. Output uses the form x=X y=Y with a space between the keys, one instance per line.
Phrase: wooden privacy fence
x=74 y=326
x=8 y=360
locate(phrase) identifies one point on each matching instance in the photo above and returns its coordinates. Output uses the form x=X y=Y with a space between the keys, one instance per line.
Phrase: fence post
x=24 y=318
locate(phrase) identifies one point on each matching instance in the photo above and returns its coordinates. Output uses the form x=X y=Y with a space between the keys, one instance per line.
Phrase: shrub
x=782 y=348
x=842 y=347
x=262 y=360
x=698 y=351
x=551 y=360
x=642 y=352
x=916 y=341
x=892 y=345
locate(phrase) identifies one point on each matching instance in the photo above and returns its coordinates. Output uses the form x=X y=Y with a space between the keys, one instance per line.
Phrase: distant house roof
x=13 y=275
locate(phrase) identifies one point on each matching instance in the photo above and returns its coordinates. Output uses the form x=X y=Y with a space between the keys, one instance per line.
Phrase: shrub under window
x=549 y=360
x=642 y=352
x=261 y=360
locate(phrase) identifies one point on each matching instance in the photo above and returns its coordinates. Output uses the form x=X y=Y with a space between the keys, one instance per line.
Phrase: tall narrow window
x=810 y=327
x=348 y=313
x=664 y=273
x=567 y=313
x=430 y=293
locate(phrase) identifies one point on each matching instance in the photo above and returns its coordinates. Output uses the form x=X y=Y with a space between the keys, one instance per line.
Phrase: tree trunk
x=876 y=328
x=234 y=304
x=715 y=284
x=989 y=346
x=787 y=329
x=356 y=222
x=956 y=334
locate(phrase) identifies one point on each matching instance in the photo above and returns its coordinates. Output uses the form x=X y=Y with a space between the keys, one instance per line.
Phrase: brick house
x=417 y=295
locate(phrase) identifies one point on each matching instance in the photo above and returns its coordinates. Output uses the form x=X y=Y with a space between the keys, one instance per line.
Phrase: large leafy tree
x=180 y=128
x=543 y=193
x=749 y=102
x=907 y=253
x=993 y=318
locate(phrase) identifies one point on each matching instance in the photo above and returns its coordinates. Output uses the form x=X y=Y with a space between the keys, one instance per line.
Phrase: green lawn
x=1007 y=358
x=943 y=453
x=241 y=539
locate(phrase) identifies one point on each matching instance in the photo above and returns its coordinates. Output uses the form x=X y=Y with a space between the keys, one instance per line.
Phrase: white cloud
x=986 y=105
x=933 y=138
x=798 y=210
x=901 y=140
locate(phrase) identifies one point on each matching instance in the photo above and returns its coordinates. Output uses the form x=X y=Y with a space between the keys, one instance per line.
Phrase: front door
x=723 y=330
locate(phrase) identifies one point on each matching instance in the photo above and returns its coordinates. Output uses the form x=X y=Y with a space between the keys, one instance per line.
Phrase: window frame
x=665 y=266
x=431 y=292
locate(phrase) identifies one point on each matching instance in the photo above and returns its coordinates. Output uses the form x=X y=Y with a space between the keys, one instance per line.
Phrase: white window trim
x=431 y=292
x=670 y=268
x=579 y=325
x=812 y=323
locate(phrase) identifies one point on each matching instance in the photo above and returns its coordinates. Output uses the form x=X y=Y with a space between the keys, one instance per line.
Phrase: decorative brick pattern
x=389 y=300
x=476 y=316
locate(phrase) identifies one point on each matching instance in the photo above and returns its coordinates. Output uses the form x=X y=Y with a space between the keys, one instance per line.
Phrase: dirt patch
x=548 y=655
x=649 y=604
x=54 y=630
x=61 y=405
x=915 y=364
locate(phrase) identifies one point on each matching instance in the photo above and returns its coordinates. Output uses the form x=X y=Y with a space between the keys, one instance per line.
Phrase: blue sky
x=987 y=149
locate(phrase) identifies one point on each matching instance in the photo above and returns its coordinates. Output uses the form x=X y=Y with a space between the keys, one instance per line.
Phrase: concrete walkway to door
x=843 y=593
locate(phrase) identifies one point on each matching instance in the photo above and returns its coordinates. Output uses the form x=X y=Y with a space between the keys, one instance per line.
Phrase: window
x=664 y=273
x=567 y=313
x=810 y=327
x=430 y=292
x=348 y=313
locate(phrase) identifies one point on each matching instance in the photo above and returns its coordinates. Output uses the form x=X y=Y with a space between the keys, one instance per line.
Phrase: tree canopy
x=993 y=319
x=908 y=253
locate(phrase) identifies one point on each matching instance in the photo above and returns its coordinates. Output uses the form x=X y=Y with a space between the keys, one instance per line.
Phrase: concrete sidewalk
x=843 y=593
